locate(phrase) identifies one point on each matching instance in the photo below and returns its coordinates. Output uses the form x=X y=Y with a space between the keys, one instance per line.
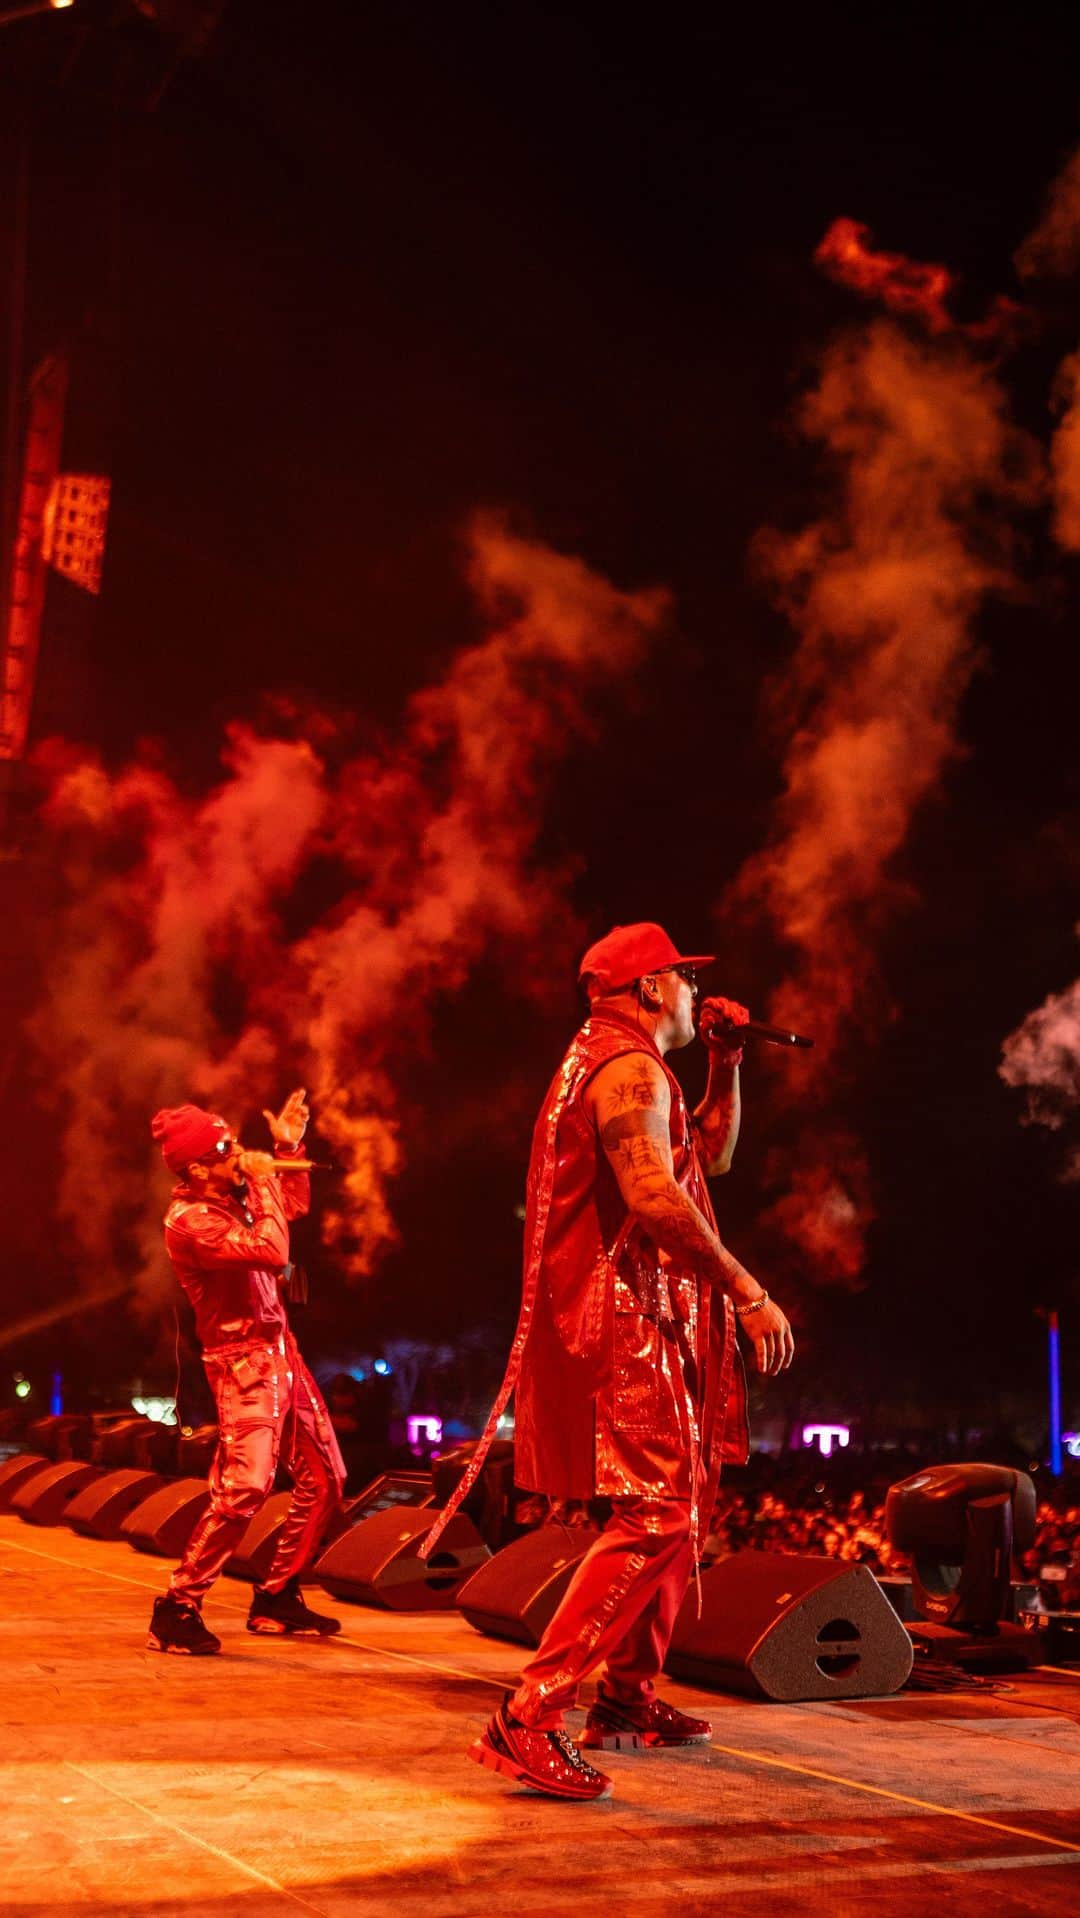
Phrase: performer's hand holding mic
x=724 y=1026
x=261 y=1165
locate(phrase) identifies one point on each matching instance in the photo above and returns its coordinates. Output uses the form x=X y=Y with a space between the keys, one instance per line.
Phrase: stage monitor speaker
x=115 y=1441
x=195 y=1451
x=388 y=1493
x=377 y=1563
x=157 y=1449
x=13 y=1472
x=254 y=1555
x=164 y=1522
x=62 y=1435
x=515 y=1594
x=780 y=1626
x=44 y=1498
x=100 y=1508
x=491 y=1499
x=391 y=1491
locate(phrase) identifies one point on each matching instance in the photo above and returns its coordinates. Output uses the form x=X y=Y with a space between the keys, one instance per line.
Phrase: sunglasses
x=689 y=973
x=221 y=1150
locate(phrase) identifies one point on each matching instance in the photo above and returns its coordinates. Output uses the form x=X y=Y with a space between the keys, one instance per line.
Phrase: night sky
x=368 y=268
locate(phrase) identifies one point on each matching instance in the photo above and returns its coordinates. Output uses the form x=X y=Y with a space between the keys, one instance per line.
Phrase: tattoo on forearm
x=677 y=1226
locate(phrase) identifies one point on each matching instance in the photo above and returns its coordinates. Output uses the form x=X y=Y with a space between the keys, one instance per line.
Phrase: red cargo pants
x=269 y=1409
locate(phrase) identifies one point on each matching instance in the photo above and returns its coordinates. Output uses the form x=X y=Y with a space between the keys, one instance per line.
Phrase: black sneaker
x=285 y=1611
x=177 y=1626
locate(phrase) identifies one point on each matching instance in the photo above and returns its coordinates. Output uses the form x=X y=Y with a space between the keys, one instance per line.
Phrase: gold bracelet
x=744 y=1311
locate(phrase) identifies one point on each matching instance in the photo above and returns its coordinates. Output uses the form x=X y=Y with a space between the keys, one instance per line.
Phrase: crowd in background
x=851 y=1527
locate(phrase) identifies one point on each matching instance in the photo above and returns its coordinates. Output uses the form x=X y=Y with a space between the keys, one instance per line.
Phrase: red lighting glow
x=434 y=837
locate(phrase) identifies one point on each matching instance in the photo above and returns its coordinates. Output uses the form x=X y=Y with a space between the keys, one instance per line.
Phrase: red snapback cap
x=627 y=952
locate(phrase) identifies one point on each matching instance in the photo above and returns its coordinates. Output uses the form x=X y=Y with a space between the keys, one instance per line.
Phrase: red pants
x=620 y=1605
x=269 y=1408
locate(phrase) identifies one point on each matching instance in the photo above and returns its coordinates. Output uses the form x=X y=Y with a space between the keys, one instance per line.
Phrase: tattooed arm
x=716 y=1121
x=629 y=1101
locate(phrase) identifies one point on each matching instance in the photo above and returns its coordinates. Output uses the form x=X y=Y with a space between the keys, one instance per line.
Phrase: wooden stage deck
x=331 y=1778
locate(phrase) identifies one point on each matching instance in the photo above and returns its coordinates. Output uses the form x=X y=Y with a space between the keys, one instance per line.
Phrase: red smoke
x=883 y=589
x=1042 y=1056
x=914 y=287
x=905 y=286
x=171 y=977
x=1052 y=249
x=1065 y=456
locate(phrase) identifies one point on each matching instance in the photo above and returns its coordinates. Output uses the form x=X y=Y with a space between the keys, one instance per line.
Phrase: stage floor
x=331 y=1778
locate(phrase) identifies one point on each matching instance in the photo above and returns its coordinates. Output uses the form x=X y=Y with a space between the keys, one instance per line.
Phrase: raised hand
x=288 y=1126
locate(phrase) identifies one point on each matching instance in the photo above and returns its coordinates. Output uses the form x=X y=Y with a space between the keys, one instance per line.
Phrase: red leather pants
x=620 y=1606
x=269 y=1408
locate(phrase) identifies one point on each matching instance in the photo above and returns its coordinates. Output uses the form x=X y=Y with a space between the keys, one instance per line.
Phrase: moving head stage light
x=961 y=1525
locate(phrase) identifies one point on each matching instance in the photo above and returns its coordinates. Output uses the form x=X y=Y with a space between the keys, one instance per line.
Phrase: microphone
x=264 y=1167
x=772 y=1035
x=753 y=1029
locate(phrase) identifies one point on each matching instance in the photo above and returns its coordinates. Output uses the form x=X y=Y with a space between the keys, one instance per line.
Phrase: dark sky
x=368 y=266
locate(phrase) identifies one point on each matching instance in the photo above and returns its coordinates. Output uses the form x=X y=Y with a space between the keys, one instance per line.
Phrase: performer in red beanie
x=227 y=1234
x=628 y=1381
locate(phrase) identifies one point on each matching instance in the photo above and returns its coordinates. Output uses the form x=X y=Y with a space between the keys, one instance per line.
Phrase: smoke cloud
x=883 y=590
x=1042 y=1059
x=1052 y=249
x=1042 y=1056
x=905 y=286
x=914 y=287
x=172 y=976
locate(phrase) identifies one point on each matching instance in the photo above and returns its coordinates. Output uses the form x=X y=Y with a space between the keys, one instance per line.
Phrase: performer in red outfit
x=227 y=1234
x=628 y=1381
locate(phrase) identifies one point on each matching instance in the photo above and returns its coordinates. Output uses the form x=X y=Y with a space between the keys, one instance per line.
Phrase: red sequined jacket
x=229 y=1269
x=628 y=1373
x=626 y=1367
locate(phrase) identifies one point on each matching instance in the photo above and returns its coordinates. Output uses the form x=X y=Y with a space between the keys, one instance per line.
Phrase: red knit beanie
x=185 y=1133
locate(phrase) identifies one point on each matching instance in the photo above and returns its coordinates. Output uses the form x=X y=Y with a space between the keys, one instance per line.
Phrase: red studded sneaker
x=614 y=1727
x=546 y=1762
